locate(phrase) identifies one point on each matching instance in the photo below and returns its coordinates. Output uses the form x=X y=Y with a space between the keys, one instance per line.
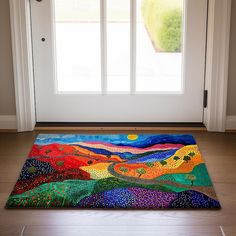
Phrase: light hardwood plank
x=229 y=230
x=117 y=230
x=10 y=170
x=11 y=231
x=5 y=190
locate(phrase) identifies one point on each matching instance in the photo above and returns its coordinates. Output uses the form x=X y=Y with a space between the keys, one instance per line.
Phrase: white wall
x=231 y=105
x=7 y=98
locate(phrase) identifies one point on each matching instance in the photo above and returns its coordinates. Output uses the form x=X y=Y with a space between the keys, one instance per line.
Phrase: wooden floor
x=219 y=151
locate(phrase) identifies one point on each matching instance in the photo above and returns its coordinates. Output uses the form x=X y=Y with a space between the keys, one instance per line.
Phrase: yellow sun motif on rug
x=132 y=136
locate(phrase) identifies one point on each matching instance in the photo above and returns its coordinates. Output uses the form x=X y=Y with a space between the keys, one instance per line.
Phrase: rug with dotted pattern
x=135 y=171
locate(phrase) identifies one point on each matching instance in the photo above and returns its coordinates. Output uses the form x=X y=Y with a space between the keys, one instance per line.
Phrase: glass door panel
x=159 y=45
x=118 y=46
x=77 y=45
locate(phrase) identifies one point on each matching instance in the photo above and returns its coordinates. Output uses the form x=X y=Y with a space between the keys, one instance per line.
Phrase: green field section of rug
x=135 y=171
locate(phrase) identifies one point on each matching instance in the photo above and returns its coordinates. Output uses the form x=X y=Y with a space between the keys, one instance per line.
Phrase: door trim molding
x=22 y=64
x=217 y=57
x=216 y=64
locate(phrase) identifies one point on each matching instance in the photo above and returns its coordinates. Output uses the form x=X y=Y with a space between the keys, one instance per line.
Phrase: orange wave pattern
x=157 y=169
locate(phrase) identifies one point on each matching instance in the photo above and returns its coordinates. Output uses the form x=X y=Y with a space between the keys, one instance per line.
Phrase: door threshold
x=126 y=126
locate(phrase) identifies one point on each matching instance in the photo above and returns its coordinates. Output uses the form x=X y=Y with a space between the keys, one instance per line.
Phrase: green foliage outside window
x=163 y=21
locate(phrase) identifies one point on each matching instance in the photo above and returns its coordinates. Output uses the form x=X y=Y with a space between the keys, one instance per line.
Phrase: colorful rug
x=114 y=171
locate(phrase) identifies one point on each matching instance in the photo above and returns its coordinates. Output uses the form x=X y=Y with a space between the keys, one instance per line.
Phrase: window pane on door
x=118 y=45
x=159 y=45
x=78 y=54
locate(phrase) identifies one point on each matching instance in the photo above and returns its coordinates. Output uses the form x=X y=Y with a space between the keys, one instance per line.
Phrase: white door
x=119 y=60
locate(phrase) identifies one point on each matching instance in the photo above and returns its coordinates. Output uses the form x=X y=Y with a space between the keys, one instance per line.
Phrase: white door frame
x=22 y=64
x=217 y=57
x=216 y=64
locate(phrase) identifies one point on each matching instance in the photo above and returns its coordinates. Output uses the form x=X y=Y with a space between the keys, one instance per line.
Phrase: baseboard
x=231 y=123
x=8 y=122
